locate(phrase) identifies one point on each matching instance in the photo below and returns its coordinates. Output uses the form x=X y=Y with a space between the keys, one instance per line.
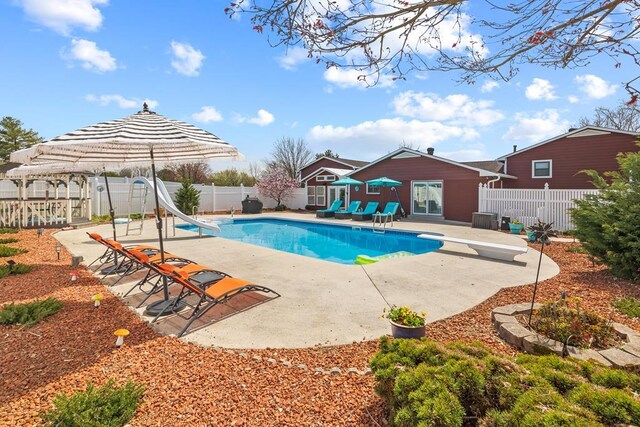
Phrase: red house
x=318 y=175
x=432 y=186
x=558 y=161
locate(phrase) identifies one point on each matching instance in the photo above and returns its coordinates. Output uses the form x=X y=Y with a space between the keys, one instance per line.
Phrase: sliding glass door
x=427 y=198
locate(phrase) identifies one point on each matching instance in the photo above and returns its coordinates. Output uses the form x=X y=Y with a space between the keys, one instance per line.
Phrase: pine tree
x=14 y=137
x=187 y=198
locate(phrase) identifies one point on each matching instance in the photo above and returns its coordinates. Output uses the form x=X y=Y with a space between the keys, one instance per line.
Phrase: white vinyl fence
x=528 y=205
x=212 y=198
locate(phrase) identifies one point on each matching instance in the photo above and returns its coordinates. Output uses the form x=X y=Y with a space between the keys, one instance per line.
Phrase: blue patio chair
x=366 y=214
x=346 y=213
x=328 y=213
x=389 y=211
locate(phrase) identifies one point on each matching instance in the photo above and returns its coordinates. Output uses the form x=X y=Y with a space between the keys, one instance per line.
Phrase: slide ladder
x=137 y=199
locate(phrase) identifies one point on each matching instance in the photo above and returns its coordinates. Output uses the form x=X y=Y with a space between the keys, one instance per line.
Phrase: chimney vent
x=430 y=151
x=515 y=148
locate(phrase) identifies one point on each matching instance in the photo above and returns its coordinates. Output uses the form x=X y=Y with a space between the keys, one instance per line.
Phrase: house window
x=541 y=169
x=311 y=195
x=320 y=198
x=325 y=178
x=373 y=189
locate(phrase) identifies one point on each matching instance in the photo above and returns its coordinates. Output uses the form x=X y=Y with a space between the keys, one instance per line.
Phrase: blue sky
x=71 y=63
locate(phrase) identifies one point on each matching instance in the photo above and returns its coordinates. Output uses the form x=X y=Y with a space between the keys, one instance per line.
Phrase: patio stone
x=499 y=319
x=537 y=344
x=587 y=354
x=514 y=333
x=620 y=358
x=513 y=309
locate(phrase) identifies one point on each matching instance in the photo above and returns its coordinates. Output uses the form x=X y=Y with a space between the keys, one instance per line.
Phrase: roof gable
x=575 y=133
x=333 y=171
x=351 y=164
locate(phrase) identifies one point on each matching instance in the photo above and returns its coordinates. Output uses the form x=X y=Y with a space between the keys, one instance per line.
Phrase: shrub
x=425 y=383
x=19 y=268
x=8 y=240
x=96 y=407
x=280 y=208
x=576 y=249
x=187 y=197
x=628 y=305
x=7 y=251
x=564 y=321
x=8 y=230
x=28 y=314
x=608 y=223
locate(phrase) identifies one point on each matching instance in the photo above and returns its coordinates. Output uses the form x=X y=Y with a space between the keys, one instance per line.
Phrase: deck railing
x=36 y=213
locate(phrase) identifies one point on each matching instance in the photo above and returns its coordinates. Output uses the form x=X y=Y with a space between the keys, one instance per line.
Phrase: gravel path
x=191 y=385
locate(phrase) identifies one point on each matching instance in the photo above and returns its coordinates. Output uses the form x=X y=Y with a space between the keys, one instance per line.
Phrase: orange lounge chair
x=209 y=290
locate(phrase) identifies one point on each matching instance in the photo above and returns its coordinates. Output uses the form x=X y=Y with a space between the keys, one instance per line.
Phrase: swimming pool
x=333 y=243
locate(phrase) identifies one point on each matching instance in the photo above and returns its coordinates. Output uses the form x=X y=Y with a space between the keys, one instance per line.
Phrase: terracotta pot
x=402 y=331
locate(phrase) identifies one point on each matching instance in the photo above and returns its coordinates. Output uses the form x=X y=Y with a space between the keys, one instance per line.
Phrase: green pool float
x=366 y=259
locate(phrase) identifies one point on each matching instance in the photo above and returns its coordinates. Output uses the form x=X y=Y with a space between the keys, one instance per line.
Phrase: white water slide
x=165 y=201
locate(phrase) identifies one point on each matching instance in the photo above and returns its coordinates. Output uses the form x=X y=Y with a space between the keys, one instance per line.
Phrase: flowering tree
x=389 y=38
x=276 y=184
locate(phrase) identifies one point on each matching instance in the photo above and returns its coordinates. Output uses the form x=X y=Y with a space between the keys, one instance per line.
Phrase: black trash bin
x=251 y=205
x=504 y=223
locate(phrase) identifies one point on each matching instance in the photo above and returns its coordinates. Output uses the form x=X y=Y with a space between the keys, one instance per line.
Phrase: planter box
x=516 y=228
x=402 y=331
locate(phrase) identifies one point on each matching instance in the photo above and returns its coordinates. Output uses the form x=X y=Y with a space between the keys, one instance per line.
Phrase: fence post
x=213 y=197
x=547 y=214
x=241 y=192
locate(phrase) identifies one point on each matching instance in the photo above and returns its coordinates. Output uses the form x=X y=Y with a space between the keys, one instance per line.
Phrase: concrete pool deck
x=321 y=302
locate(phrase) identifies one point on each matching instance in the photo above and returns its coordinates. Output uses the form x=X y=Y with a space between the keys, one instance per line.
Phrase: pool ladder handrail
x=383 y=225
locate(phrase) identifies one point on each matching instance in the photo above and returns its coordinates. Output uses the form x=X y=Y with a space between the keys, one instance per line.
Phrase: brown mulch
x=191 y=385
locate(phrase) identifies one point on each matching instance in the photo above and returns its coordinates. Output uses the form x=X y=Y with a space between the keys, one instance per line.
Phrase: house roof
x=489 y=165
x=583 y=131
x=334 y=171
x=408 y=152
x=354 y=164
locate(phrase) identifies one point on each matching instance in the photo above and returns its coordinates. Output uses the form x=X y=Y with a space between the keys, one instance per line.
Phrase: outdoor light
x=58 y=250
x=40 y=231
x=11 y=263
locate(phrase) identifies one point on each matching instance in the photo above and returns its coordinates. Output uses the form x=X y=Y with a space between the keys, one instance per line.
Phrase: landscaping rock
x=513 y=309
x=537 y=344
x=630 y=335
x=514 y=333
x=499 y=319
x=587 y=355
x=620 y=358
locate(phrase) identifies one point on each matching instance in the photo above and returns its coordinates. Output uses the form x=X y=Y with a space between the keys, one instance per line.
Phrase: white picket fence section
x=527 y=205
x=212 y=198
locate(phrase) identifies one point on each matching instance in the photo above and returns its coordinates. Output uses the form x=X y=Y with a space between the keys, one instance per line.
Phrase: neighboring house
x=432 y=186
x=318 y=176
x=558 y=161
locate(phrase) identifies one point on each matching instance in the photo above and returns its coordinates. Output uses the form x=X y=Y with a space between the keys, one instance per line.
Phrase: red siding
x=322 y=163
x=460 y=185
x=569 y=156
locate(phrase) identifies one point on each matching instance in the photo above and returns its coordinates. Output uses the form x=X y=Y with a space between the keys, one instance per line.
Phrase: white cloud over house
x=90 y=56
x=207 y=114
x=120 y=101
x=595 y=87
x=536 y=127
x=187 y=60
x=489 y=86
x=540 y=89
x=293 y=57
x=456 y=108
x=64 y=15
x=262 y=118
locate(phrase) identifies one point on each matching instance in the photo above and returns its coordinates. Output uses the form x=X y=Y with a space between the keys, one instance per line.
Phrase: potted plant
x=405 y=323
x=515 y=226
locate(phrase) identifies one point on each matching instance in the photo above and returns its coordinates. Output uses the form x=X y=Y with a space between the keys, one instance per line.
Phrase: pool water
x=333 y=243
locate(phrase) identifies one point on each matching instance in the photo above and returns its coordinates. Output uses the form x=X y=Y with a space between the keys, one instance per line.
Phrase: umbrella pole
x=166 y=305
x=114 y=268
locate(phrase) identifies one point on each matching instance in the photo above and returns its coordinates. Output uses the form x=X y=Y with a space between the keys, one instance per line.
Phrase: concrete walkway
x=325 y=303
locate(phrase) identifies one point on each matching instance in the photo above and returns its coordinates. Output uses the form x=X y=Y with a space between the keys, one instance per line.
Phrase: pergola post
x=88 y=197
x=68 y=197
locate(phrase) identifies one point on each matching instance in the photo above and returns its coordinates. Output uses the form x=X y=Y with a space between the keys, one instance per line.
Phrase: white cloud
x=294 y=57
x=573 y=99
x=262 y=118
x=121 y=101
x=63 y=15
x=456 y=108
x=207 y=114
x=489 y=86
x=186 y=59
x=594 y=86
x=387 y=134
x=90 y=56
x=540 y=89
x=348 y=78
x=540 y=126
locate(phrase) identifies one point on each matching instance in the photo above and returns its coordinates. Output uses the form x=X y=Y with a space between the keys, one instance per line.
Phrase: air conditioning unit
x=486 y=220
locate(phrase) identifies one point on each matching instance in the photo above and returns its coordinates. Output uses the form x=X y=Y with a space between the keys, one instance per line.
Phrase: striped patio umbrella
x=139 y=139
